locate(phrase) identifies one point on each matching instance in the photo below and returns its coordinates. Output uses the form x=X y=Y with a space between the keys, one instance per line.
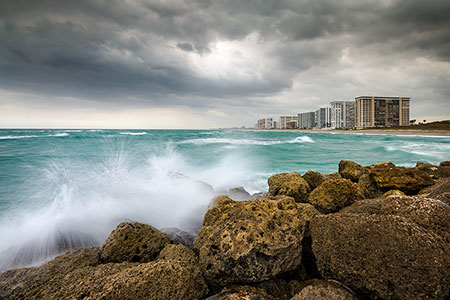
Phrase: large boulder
x=314 y=179
x=321 y=289
x=333 y=195
x=243 y=292
x=445 y=163
x=161 y=279
x=179 y=253
x=134 y=242
x=252 y=241
x=408 y=180
x=382 y=256
x=289 y=184
x=351 y=170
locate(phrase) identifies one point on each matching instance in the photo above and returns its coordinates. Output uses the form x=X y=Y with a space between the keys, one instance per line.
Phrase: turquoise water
x=69 y=188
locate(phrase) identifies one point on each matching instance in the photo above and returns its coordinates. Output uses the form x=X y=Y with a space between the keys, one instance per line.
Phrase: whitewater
x=62 y=189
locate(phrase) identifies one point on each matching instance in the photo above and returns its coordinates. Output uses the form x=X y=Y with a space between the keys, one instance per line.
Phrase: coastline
x=370 y=131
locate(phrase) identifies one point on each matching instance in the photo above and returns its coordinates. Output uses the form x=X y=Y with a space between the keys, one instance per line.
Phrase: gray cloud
x=167 y=53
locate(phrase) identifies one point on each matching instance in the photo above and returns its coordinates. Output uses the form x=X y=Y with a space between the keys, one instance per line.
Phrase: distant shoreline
x=370 y=131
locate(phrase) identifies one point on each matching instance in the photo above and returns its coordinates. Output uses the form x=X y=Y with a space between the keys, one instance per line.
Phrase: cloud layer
x=235 y=58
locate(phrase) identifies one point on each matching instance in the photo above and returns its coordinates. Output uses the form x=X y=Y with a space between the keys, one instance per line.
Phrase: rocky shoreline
x=365 y=232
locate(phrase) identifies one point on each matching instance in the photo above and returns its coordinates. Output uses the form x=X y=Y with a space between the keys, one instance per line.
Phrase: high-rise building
x=276 y=124
x=377 y=111
x=343 y=114
x=265 y=123
x=306 y=120
x=288 y=122
x=323 y=117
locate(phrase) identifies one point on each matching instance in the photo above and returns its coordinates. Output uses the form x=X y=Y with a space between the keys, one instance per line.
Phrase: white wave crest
x=133 y=133
x=297 y=140
x=13 y=137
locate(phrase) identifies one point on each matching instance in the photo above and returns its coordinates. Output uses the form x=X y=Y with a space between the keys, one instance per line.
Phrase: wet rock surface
x=253 y=241
x=333 y=195
x=134 y=242
x=289 y=184
x=382 y=256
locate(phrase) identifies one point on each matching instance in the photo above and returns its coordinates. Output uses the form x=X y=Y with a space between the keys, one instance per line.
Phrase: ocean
x=62 y=189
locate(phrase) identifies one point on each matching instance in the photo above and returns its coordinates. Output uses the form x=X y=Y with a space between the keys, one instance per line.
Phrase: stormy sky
x=215 y=63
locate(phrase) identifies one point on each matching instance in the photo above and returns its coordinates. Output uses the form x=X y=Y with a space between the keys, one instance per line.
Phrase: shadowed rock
x=369 y=187
x=252 y=241
x=314 y=179
x=435 y=172
x=365 y=206
x=132 y=241
x=180 y=237
x=382 y=255
x=289 y=184
x=333 y=195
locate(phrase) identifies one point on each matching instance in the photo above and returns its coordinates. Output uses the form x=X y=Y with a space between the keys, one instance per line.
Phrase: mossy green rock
x=351 y=170
x=289 y=184
x=252 y=241
x=333 y=195
x=134 y=242
x=383 y=256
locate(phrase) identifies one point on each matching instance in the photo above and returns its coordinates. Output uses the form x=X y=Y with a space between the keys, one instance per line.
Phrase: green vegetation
x=438 y=125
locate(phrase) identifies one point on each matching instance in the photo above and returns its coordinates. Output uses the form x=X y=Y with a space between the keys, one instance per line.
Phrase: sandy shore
x=376 y=131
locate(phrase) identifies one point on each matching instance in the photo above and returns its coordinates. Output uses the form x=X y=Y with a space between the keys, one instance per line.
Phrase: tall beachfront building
x=288 y=122
x=343 y=114
x=306 y=120
x=323 y=117
x=377 y=111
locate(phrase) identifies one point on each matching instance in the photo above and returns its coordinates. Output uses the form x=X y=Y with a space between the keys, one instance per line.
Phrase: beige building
x=377 y=111
x=288 y=122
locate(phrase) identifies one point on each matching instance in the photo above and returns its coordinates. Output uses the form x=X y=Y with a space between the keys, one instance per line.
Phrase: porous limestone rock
x=179 y=253
x=289 y=184
x=365 y=206
x=252 y=241
x=134 y=242
x=383 y=256
x=333 y=195
x=429 y=213
x=351 y=170
x=445 y=163
x=316 y=289
x=369 y=187
x=435 y=172
x=156 y=280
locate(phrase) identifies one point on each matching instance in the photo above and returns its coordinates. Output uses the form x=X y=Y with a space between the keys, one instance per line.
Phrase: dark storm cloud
x=112 y=49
